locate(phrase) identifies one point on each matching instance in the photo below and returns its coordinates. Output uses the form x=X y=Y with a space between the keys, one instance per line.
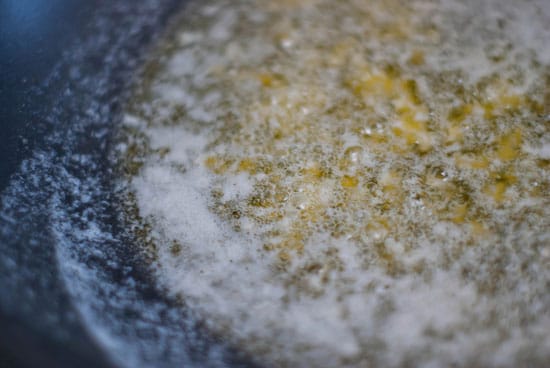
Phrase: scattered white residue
x=68 y=273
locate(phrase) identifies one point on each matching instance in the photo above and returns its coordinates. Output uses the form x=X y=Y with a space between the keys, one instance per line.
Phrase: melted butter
x=304 y=162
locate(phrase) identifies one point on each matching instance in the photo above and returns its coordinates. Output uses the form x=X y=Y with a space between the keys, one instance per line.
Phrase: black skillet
x=73 y=291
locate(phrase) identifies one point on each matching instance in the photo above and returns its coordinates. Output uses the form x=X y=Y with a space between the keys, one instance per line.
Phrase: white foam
x=351 y=307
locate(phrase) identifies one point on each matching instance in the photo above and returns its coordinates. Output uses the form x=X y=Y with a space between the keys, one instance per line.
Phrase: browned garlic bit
x=353 y=183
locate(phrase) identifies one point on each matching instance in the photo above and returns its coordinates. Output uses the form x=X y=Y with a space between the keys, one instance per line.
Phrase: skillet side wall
x=38 y=43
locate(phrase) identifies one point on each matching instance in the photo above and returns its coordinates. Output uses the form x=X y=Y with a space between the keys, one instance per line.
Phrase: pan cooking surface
x=67 y=263
x=72 y=260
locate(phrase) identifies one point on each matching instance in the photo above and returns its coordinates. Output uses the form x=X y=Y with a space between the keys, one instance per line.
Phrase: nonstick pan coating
x=72 y=289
